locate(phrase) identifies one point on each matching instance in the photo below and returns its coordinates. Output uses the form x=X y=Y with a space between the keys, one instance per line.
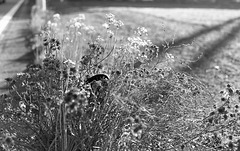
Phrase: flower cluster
x=76 y=98
x=132 y=130
x=51 y=63
x=112 y=21
x=77 y=25
x=224 y=120
x=55 y=21
x=6 y=141
x=134 y=126
x=141 y=30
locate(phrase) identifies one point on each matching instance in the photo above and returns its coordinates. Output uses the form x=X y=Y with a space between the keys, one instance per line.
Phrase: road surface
x=15 y=53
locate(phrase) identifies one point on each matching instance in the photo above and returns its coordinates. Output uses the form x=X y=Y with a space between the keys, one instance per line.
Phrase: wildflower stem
x=37 y=134
x=63 y=128
x=24 y=145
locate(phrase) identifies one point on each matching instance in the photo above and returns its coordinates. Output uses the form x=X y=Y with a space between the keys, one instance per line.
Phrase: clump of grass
x=104 y=92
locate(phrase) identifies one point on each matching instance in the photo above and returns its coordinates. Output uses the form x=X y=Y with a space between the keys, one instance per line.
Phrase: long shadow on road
x=191 y=37
x=212 y=48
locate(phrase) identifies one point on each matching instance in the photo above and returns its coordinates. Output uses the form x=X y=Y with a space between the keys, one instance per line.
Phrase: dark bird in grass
x=97 y=77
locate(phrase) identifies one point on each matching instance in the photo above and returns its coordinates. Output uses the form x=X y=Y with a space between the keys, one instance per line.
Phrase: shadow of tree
x=191 y=37
x=207 y=50
x=212 y=48
x=215 y=47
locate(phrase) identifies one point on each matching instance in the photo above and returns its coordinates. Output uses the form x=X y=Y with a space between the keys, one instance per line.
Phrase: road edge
x=7 y=18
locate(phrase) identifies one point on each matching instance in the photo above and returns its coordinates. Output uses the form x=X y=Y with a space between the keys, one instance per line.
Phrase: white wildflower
x=20 y=74
x=69 y=62
x=169 y=56
x=105 y=25
x=118 y=23
x=53 y=25
x=77 y=24
x=91 y=27
x=81 y=17
x=56 y=17
x=110 y=33
x=71 y=26
x=22 y=105
x=88 y=28
x=110 y=16
x=137 y=41
x=73 y=20
x=149 y=42
x=142 y=30
x=49 y=23
x=100 y=39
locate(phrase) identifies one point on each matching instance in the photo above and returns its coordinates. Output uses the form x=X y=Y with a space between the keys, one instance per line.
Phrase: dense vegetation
x=98 y=91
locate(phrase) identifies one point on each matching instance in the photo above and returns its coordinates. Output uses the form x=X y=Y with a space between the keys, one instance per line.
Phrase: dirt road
x=14 y=51
x=4 y=8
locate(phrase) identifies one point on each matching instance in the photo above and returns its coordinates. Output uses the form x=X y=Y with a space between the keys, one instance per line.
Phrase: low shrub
x=99 y=93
